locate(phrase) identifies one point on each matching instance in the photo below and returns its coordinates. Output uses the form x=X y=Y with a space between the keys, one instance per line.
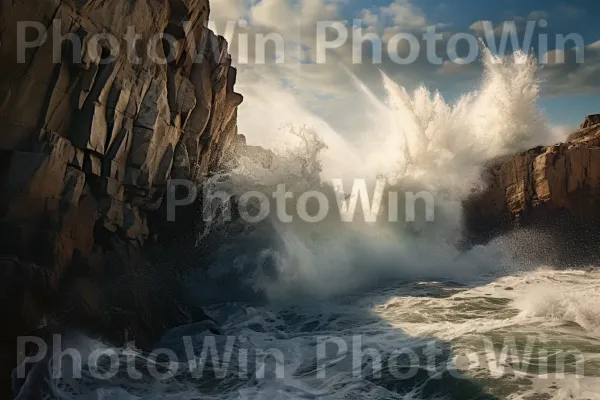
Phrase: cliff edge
x=555 y=187
x=89 y=139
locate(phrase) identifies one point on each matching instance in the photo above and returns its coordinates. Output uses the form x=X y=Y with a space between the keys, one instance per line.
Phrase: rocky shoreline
x=555 y=188
x=87 y=150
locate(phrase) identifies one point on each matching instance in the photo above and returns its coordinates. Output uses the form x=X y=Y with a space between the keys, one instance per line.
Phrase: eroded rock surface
x=87 y=147
x=555 y=184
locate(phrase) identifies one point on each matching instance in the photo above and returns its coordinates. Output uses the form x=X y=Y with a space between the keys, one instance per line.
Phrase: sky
x=294 y=85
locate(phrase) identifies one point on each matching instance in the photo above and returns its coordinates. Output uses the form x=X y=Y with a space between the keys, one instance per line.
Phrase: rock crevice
x=543 y=185
x=90 y=139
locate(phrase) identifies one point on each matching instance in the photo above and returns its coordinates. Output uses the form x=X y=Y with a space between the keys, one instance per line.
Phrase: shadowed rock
x=87 y=149
x=554 y=188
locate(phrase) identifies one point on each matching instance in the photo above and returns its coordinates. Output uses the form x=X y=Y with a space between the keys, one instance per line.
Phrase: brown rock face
x=558 y=185
x=590 y=120
x=87 y=146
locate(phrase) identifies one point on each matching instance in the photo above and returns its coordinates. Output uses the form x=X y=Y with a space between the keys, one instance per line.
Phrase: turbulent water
x=532 y=335
x=382 y=310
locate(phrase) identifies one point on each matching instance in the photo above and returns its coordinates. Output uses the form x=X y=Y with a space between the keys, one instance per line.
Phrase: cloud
x=229 y=10
x=564 y=72
x=405 y=15
x=275 y=14
x=306 y=91
x=479 y=26
x=327 y=89
x=564 y=75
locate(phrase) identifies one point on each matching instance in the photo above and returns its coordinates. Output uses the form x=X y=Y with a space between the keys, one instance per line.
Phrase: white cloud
x=570 y=77
x=404 y=14
x=229 y=10
x=295 y=91
x=276 y=14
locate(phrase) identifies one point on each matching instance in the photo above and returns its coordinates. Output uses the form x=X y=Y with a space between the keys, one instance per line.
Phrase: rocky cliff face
x=557 y=185
x=88 y=145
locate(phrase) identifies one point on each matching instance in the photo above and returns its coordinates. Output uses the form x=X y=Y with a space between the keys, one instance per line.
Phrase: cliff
x=555 y=187
x=89 y=141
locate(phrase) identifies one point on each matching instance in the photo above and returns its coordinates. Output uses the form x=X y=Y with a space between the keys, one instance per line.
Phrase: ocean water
x=370 y=310
x=533 y=335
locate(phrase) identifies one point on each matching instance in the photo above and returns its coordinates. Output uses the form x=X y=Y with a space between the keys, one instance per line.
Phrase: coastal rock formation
x=239 y=149
x=590 y=121
x=557 y=184
x=91 y=131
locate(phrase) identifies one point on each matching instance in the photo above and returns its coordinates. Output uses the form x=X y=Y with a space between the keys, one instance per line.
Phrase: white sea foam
x=419 y=142
x=317 y=279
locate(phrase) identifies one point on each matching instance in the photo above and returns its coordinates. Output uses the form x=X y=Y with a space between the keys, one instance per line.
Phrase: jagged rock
x=182 y=97
x=537 y=184
x=92 y=164
x=181 y=162
x=155 y=107
x=88 y=147
x=36 y=174
x=590 y=120
x=74 y=184
x=78 y=159
x=240 y=149
x=111 y=188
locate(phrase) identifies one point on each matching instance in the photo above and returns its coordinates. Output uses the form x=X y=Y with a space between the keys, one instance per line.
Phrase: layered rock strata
x=89 y=140
x=555 y=186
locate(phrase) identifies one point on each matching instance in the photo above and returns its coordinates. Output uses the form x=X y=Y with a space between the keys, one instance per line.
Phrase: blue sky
x=564 y=17
x=462 y=13
x=570 y=110
x=569 y=90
